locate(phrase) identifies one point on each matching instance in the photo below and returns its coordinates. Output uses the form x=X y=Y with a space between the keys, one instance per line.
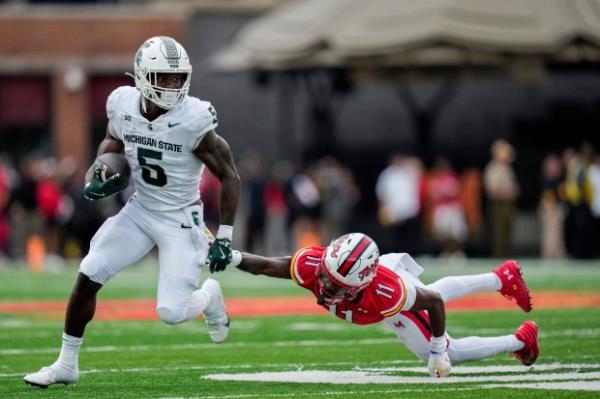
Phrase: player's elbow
x=435 y=300
x=428 y=300
x=234 y=178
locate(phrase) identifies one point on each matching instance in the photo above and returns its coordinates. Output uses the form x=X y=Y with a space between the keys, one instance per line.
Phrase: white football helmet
x=348 y=265
x=161 y=54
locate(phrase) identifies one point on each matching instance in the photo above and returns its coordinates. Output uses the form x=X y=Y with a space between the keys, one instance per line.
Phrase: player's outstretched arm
x=215 y=153
x=256 y=264
x=439 y=363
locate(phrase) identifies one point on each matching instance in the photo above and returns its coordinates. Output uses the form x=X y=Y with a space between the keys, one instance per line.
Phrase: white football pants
x=182 y=246
x=414 y=329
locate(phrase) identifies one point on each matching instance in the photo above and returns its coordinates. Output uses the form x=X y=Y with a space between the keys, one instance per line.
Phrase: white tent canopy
x=402 y=32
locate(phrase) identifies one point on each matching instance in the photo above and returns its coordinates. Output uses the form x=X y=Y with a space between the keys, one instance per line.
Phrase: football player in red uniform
x=354 y=283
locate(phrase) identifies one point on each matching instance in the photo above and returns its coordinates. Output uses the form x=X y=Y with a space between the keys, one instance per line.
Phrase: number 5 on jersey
x=151 y=173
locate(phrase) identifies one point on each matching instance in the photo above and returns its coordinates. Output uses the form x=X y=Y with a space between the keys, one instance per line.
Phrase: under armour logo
x=508 y=274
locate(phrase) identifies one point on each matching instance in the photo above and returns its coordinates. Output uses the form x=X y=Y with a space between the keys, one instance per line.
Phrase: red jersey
x=384 y=297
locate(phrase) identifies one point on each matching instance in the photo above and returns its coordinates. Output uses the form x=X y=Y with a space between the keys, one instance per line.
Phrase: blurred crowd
x=438 y=210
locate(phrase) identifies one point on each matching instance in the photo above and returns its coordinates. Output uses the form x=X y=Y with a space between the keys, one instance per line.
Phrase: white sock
x=453 y=287
x=199 y=301
x=69 y=352
x=476 y=348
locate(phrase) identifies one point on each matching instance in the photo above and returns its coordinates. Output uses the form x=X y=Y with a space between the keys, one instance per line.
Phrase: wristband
x=236 y=258
x=437 y=345
x=225 y=231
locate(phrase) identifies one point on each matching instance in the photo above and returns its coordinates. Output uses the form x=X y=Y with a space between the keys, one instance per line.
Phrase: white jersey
x=164 y=169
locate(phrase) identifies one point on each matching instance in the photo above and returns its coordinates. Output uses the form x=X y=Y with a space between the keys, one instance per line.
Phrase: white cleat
x=215 y=315
x=52 y=375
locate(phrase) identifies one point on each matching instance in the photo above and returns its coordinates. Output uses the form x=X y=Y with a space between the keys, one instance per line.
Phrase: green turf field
x=148 y=359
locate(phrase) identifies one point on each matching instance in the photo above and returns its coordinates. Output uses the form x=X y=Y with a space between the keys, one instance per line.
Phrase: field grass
x=148 y=359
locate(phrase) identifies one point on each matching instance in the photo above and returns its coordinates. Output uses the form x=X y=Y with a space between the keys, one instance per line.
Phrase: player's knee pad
x=92 y=268
x=171 y=314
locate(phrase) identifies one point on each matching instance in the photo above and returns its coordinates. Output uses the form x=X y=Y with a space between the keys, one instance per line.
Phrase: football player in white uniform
x=167 y=138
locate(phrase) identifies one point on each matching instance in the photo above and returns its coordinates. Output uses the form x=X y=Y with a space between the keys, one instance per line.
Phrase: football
x=114 y=163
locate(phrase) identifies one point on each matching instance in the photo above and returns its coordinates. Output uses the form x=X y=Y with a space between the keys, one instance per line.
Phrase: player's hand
x=97 y=188
x=439 y=364
x=219 y=255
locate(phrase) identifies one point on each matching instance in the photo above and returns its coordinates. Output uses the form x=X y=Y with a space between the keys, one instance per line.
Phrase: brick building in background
x=58 y=65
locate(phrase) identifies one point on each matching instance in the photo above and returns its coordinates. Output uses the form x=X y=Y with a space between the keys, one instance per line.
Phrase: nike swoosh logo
x=184 y=226
x=173 y=124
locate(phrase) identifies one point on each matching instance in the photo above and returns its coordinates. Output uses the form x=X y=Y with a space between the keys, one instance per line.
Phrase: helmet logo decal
x=172 y=55
x=367 y=271
x=354 y=255
x=336 y=247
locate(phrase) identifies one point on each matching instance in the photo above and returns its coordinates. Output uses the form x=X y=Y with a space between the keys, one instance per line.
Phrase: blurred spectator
x=470 y=197
x=339 y=194
x=594 y=177
x=577 y=192
x=87 y=216
x=502 y=191
x=5 y=193
x=252 y=205
x=550 y=210
x=26 y=223
x=276 y=232
x=448 y=222
x=54 y=207
x=305 y=206
x=398 y=190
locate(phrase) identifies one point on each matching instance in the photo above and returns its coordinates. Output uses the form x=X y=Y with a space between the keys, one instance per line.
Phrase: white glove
x=439 y=363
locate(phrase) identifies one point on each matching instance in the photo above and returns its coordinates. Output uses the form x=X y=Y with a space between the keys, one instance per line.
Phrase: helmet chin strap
x=321 y=299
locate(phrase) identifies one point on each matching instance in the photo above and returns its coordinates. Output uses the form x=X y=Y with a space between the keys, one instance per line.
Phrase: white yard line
x=360 y=377
x=587 y=381
x=326 y=393
x=565 y=385
x=353 y=365
x=491 y=369
x=294 y=366
x=206 y=346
